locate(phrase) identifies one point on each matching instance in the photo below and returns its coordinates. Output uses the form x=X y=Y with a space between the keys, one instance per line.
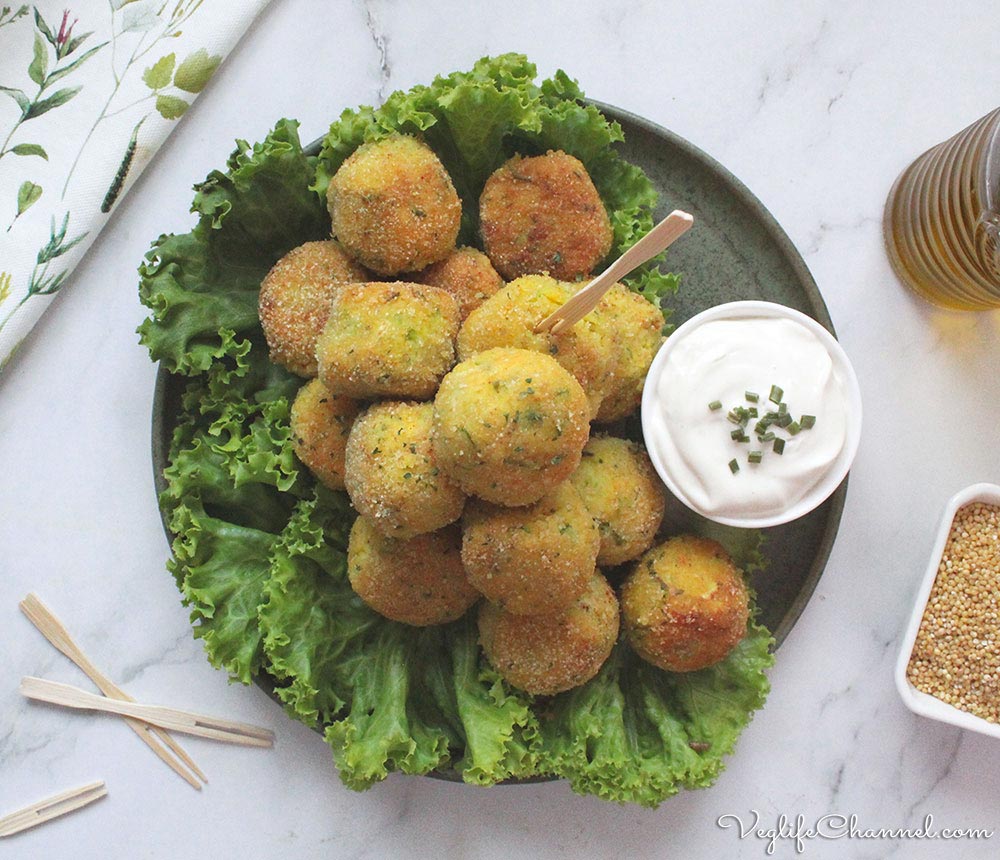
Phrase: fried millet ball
x=640 y=323
x=295 y=301
x=418 y=581
x=320 y=424
x=532 y=560
x=388 y=340
x=543 y=214
x=391 y=474
x=685 y=604
x=393 y=205
x=547 y=654
x=618 y=485
x=465 y=273
x=509 y=425
x=591 y=350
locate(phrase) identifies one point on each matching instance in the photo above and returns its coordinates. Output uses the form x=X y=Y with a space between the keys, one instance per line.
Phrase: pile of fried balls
x=464 y=439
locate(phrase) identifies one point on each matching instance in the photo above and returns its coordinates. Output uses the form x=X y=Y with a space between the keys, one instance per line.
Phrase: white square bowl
x=922 y=703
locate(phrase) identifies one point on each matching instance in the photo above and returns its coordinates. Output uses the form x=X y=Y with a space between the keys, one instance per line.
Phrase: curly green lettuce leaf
x=225 y=590
x=498 y=728
x=202 y=286
x=312 y=620
x=230 y=491
x=635 y=734
x=718 y=702
x=385 y=728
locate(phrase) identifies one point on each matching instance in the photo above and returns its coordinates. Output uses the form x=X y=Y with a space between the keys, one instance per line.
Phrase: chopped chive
x=733 y=418
x=776 y=394
x=782 y=408
x=755 y=456
x=762 y=425
x=752 y=412
x=752 y=396
x=734 y=467
x=794 y=428
x=784 y=420
x=807 y=421
x=737 y=435
x=772 y=416
x=715 y=404
x=779 y=446
x=766 y=437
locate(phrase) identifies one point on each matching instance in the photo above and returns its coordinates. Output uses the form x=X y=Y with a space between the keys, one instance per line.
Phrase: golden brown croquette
x=388 y=340
x=591 y=350
x=543 y=214
x=393 y=206
x=547 y=654
x=295 y=301
x=532 y=560
x=685 y=604
x=618 y=485
x=640 y=324
x=465 y=273
x=418 y=581
x=509 y=425
x=320 y=424
x=392 y=476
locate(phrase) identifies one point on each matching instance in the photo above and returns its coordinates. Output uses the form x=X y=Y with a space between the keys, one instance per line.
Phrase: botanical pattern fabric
x=88 y=93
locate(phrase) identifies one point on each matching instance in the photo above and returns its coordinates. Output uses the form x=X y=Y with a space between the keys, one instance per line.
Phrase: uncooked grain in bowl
x=956 y=655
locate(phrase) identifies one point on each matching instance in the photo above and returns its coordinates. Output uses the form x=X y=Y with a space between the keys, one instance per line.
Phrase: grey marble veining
x=816 y=109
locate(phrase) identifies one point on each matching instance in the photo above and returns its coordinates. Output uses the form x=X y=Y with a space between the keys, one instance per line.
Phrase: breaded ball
x=618 y=485
x=393 y=206
x=640 y=324
x=546 y=654
x=685 y=604
x=590 y=350
x=543 y=214
x=392 y=476
x=509 y=425
x=320 y=423
x=388 y=340
x=419 y=581
x=295 y=301
x=531 y=560
x=465 y=273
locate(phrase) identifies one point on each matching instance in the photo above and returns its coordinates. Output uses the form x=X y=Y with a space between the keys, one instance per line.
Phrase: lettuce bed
x=259 y=548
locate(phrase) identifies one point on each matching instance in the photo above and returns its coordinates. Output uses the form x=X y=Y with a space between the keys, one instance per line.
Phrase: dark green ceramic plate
x=735 y=251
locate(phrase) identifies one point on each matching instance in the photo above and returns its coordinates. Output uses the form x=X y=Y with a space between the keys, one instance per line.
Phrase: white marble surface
x=816 y=106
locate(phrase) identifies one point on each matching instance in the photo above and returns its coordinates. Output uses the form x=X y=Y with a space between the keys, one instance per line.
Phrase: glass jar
x=942 y=220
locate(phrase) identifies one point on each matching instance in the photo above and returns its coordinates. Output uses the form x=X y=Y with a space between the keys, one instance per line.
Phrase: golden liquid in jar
x=941 y=224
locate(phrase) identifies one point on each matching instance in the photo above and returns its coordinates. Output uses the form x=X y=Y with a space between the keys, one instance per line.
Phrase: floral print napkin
x=87 y=96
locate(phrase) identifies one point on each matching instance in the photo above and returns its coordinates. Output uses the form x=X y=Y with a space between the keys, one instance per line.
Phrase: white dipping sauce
x=721 y=360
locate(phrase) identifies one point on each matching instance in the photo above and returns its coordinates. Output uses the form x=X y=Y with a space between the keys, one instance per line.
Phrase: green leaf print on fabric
x=194 y=72
x=127 y=20
x=29 y=149
x=158 y=75
x=27 y=196
x=9 y=17
x=48 y=50
x=170 y=107
x=42 y=281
